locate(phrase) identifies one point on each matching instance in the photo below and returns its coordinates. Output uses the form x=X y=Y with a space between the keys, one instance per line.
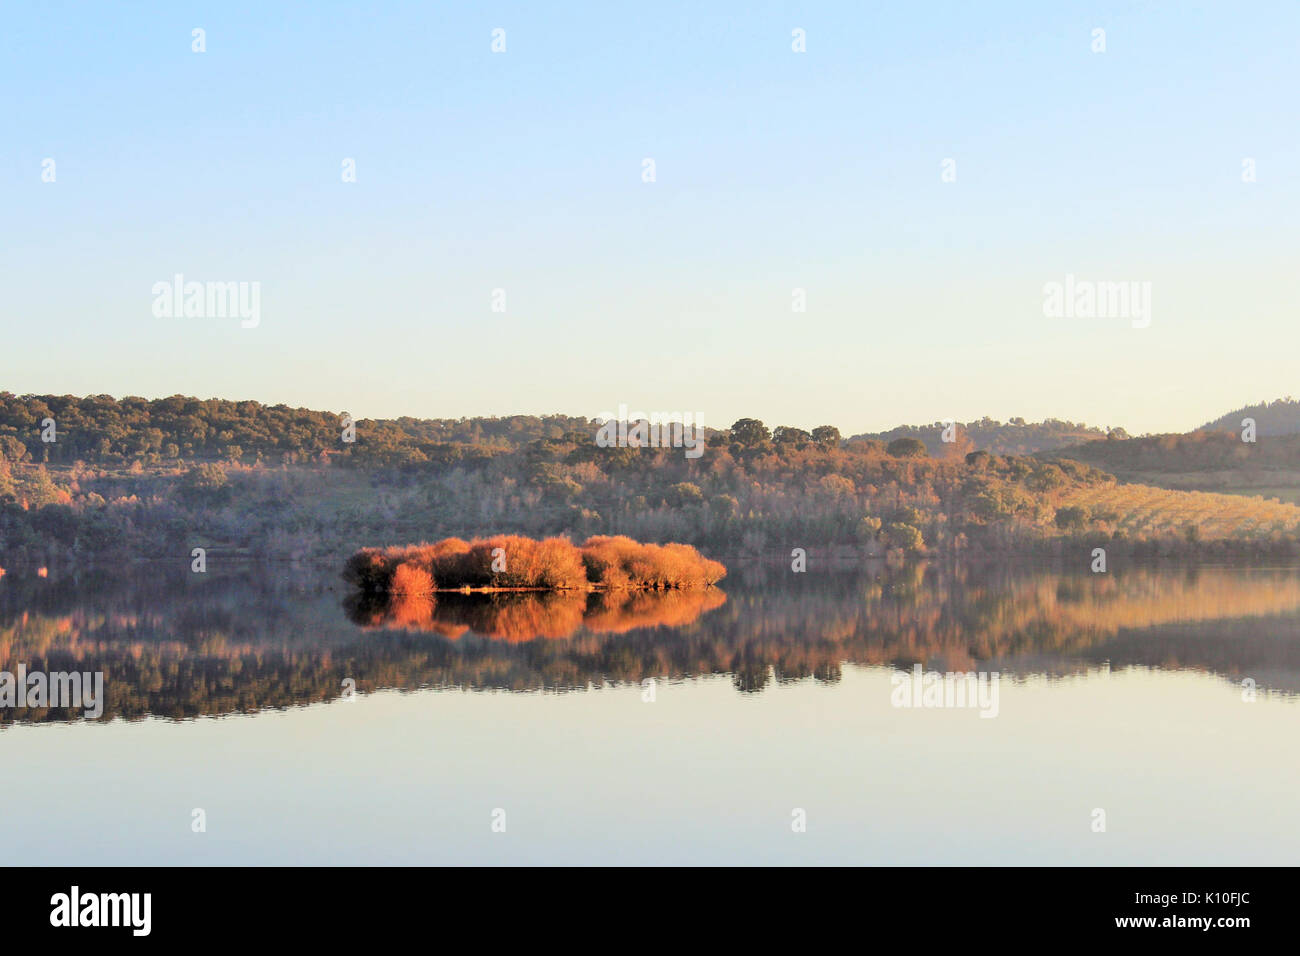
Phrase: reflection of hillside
x=1067 y=614
x=172 y=647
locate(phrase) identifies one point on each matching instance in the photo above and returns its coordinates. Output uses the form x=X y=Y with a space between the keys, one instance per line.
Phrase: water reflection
x=181 y=645
x=518 y=617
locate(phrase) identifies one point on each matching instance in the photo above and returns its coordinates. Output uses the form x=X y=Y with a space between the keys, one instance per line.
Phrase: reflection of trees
x=176 y=646
x=518 y=617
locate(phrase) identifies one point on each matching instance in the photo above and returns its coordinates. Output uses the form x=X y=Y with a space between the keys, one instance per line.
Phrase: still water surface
x=773 y=702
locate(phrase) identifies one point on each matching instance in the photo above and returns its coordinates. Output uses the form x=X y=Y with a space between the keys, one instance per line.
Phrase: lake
x=1144 y=716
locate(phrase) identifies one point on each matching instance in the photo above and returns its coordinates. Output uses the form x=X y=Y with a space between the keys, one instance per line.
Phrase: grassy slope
x=1144 y=510
x=1246 y=483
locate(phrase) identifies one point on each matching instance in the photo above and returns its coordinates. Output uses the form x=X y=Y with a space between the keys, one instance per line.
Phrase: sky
x=774 y=171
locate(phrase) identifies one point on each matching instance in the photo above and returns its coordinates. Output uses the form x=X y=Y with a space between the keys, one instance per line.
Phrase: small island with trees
x=518 y=563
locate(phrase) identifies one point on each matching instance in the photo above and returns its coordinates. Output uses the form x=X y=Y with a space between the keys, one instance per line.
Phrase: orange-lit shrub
x=410 y=578
x=553 y=563
x=619 y=562
x=449 y=560
x=607 y=559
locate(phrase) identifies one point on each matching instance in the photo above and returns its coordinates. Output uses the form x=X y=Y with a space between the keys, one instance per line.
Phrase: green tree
x=828 y=436
x=904 y=536
x=1072 y=518
x=11 y=449
x=750 y=432
x=1048 y=478
x=907 y=448
x=868 y=528
x=685 y=493
x=785 y=434
x=205 y=485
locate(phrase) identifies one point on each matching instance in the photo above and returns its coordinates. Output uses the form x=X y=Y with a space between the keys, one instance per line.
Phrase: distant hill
x=105 y=430
x=1203 y=460
x=1016 y=437
x=1281 y=417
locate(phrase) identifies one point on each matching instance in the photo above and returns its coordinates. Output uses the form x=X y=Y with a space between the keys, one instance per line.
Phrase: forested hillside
x=131 y=478
x=102 y=429
x=1281 y=417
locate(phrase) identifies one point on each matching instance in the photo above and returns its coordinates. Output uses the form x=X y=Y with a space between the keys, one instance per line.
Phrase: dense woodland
x=155 y=479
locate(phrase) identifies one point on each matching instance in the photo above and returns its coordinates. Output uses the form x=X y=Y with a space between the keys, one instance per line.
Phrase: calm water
x=773 y=702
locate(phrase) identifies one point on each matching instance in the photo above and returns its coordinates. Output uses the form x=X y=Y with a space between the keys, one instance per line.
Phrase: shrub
x=619 y=562
x=410 y=579
x=904 y=536
x=1072 y=518
x=553 y=563
x=607 y=558
x=205 y=485
x=868 y=528
x=450 y=559
x=367 y=570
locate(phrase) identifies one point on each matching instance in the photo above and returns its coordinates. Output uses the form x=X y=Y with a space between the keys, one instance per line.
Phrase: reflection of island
x=517 y=617
x=189 y=645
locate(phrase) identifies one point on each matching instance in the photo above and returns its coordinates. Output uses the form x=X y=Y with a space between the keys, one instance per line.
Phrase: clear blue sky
x=775 y=170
